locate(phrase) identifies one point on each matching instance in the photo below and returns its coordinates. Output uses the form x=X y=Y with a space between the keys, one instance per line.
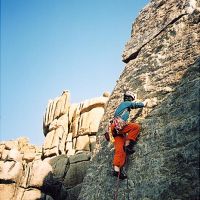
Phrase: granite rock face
x=55 y=171
x=16 y=172
x=71 y=128
x=162 y=67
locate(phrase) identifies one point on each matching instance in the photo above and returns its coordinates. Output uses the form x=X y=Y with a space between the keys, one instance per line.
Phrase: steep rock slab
x=163 y=67
x=143 y=31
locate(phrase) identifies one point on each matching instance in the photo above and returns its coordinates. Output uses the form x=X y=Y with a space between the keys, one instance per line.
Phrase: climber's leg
x=133 y=130
x=120 y=155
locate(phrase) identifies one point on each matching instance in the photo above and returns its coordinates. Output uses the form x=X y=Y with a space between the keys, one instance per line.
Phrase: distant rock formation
x=56 y=170
x=163 y=64
x=71 y=128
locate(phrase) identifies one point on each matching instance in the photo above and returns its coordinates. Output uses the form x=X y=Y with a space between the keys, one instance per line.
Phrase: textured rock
x=10 y=171
x=92 y=142
x=39 y=172
x=10 y=144
x=106 y=94
x=4 y=154
x=33 y=194
x=28 y=157
x=143 y=31
x=15 y=168
x=67 y=175
x=75 y=174
x=79 y=158
x=162 y=67
x=7 y=191
x=82 y=143
x=75 y=121
x=24 y=175
x=89 y=121
x=14 y=155
x=56 y=108
x=60 y=166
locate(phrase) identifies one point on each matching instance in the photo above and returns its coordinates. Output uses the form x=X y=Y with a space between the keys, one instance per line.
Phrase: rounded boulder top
x=106 y=94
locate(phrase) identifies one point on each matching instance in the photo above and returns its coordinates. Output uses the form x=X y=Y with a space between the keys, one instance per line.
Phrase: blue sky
x=48 y=46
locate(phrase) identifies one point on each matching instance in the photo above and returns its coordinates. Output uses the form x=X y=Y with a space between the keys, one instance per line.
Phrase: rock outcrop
x=71 y=128
x=163 y=63
x=16 y=179
x=56 y=170
x=162 y=66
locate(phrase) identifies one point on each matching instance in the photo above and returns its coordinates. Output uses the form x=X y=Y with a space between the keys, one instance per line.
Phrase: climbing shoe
x=120 y=174
x=129 y=149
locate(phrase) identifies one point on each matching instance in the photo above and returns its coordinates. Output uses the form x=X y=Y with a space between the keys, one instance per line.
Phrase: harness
x=118 y=124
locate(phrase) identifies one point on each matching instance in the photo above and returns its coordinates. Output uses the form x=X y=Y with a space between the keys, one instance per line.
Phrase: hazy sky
x=48 y=46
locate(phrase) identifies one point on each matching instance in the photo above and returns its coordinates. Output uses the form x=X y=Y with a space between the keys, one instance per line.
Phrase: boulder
x=55 y=109
x=11 y=171
x=33 y=194
x=60 y=165
x=75 y=121
x=87 y=105
x=28 y=157
x=75 y=174
x=7 y=191
x=106 y=94
x=11 y=144
x=82 y=143
x=2 y=147
x=14 y=155
x=4 y=154
x=39 y=172
x=72 y=110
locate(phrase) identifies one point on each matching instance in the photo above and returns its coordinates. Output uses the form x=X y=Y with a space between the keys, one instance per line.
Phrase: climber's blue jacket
x=123 y=110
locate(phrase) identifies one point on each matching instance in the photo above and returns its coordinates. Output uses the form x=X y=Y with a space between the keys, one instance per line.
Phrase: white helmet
x=129 y=94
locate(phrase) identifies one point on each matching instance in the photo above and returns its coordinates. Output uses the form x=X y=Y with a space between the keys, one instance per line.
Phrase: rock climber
x=125 y=133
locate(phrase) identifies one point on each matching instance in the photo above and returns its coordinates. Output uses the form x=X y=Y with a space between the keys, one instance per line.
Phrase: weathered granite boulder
x=10 y=171
x=16 y=172
x=7 y=190
x=55 y=109
x=23 y=176
x=163 y=63
x=69 y=131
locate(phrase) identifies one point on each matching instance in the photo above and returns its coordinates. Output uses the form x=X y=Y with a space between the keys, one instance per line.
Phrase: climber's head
x=129 y=96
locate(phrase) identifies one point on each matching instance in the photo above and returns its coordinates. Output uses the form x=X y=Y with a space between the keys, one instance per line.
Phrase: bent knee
x=135 y=126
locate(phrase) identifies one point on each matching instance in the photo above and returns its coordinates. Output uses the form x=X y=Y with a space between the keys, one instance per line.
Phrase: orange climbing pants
x=129 y=132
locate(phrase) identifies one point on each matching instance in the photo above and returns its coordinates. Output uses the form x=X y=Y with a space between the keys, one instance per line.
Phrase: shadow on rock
x=65 y=179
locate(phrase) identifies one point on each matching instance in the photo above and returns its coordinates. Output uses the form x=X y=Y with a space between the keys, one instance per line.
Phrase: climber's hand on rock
x=145 y=102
